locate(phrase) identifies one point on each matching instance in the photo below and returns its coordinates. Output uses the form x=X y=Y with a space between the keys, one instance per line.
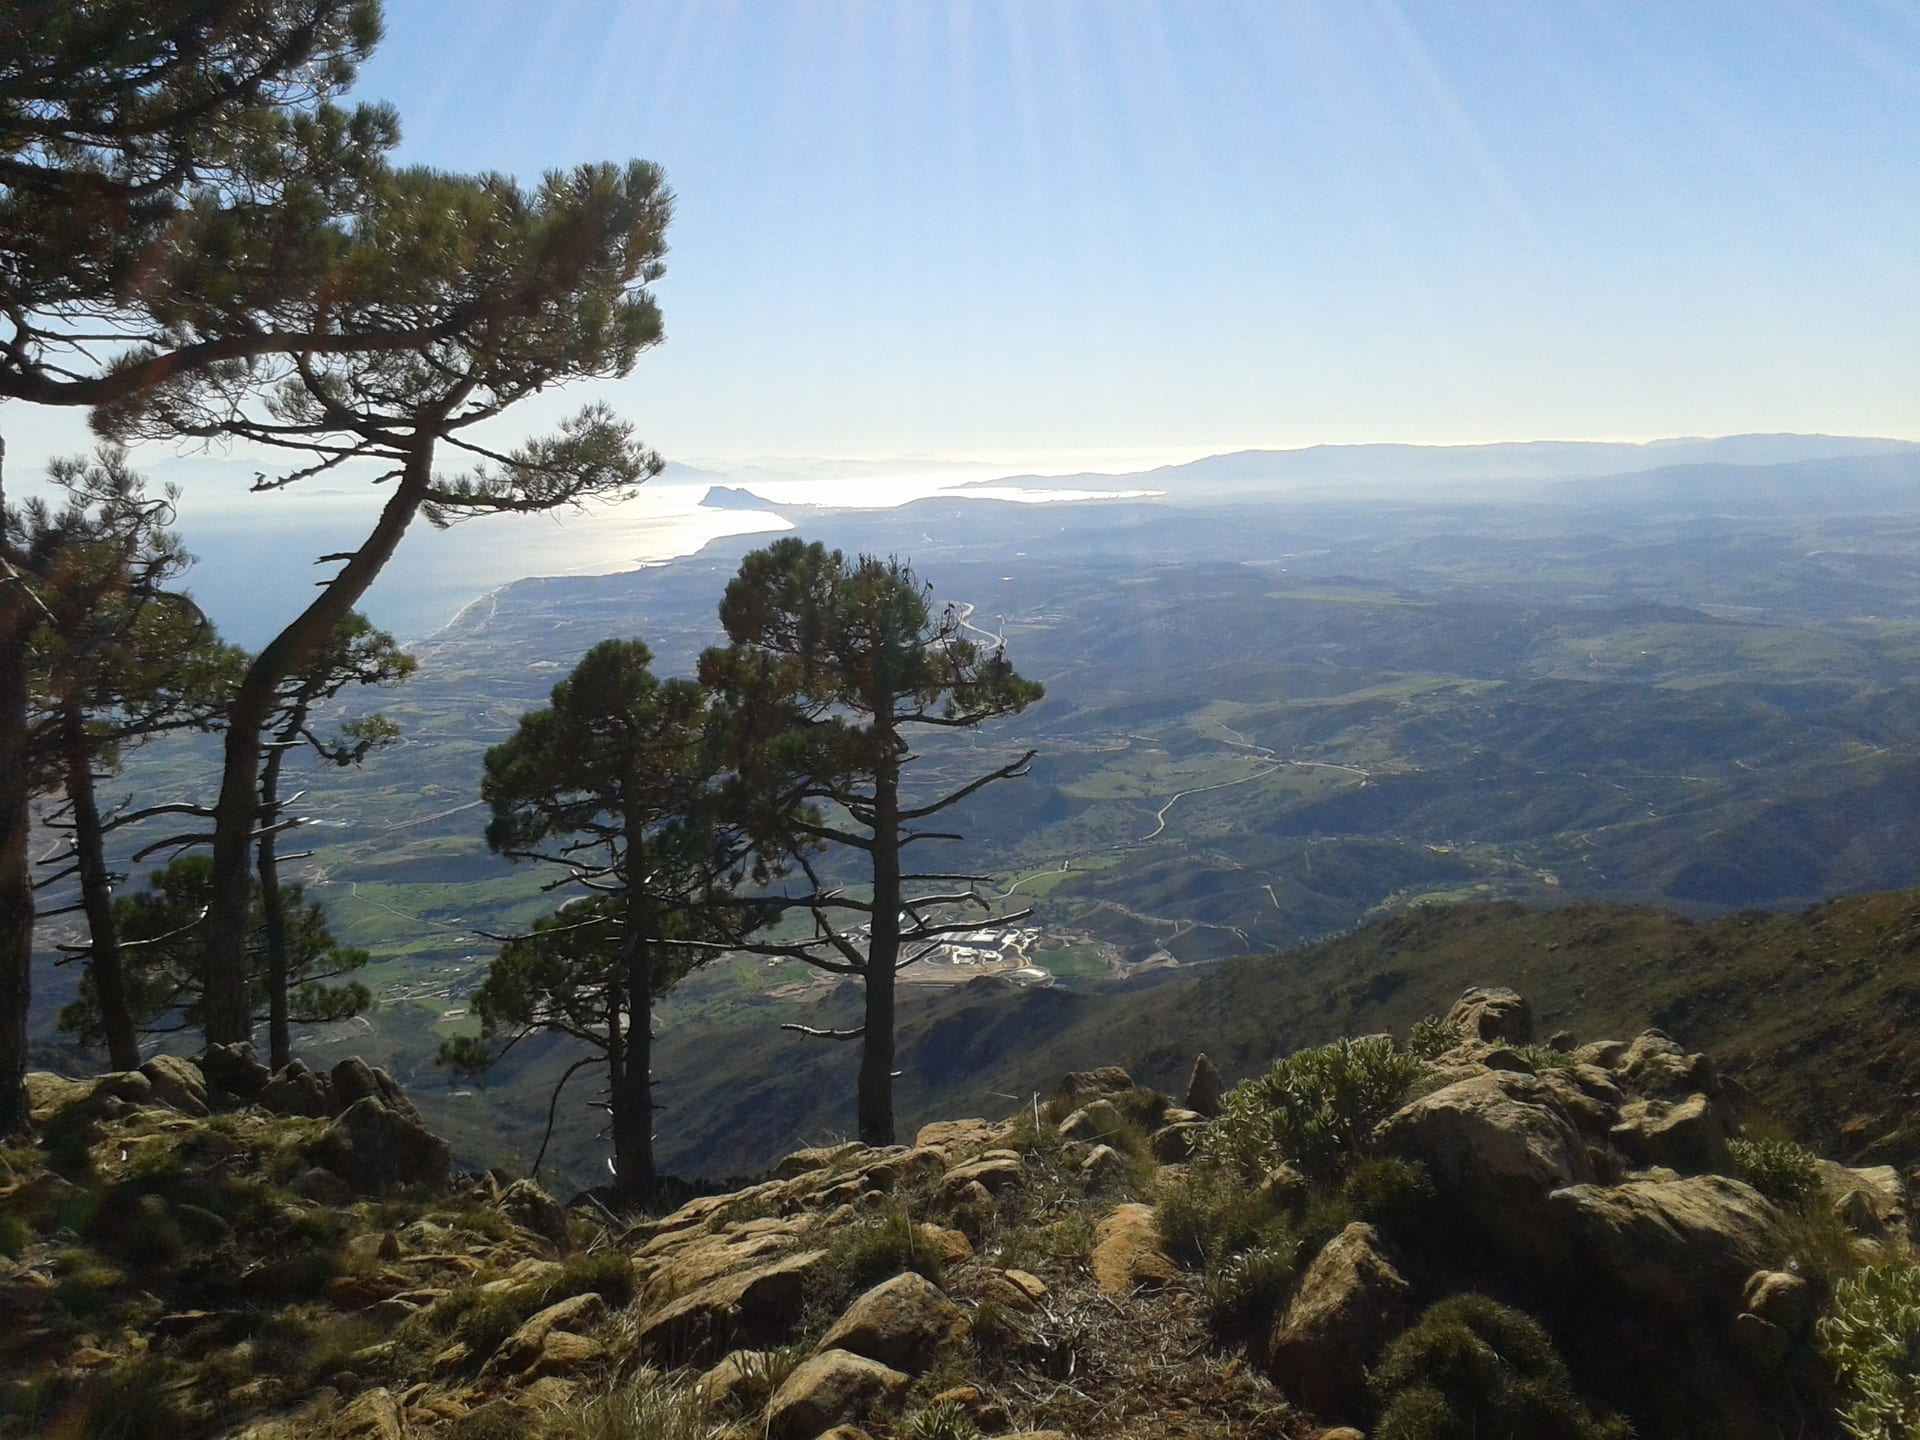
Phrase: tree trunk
x=228 y=1001
x=274 y=912
x=633 y=1093
x=16 y=879
x=96 y=895
x=883 y=957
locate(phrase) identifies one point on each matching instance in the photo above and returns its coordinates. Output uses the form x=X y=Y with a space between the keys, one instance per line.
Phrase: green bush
x=1779 y=1169
x=1246 y=1290
x=1433 y=1037
x=1472 y=1369
x=1388 y=1192
x=1871 y=1338
x=1316 y=1108
x=1209 y=1215
x=860 y=1259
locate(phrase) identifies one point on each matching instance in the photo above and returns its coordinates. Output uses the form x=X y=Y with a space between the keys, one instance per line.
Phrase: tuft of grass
x=1246 y=1291
x=1390 y=1193
x=654 y=1408
x=1026 y=1246
x=859 y=1259
x=1209 y=1215
x=137 y=1399
x=481 y=1321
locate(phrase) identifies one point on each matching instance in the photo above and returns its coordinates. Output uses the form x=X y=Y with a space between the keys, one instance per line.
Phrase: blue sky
x=1046 y=232
x=1076 y=229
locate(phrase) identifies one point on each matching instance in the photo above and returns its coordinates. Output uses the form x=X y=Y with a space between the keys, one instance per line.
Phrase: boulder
x=1684 y=1136
x=899 y=1322
x=700 y=1258
x=374 y=1148
x=960 y=1137
x=1350 y=1303
x=1491 y=1142
x=993 y=1173
x=1173 y=1144
x=1491 y=1012
x=1080 y=1086
x=177 y=1083
x=734 y=1378
x=1204 y=1088
x=1092 y=1122
x=1656 y=1068
x=520 y=1352
x=1681 y=1244
x=832 y=1388
x=296 y=1090
x=353 y=1080
x=819 y=1158
x=1871 y=1199
x=235 y=1070
x=1127 y=1253
x=1103 y=1166
x=758 y=1306
x=531 y=1208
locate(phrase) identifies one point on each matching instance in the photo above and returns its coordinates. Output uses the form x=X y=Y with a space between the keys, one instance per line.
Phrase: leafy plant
x=1432 y=1037
x=1779 y=1169
x=1871 y=1338
x=946 y=1420
x=1473 y=1369
x=1316 y=1108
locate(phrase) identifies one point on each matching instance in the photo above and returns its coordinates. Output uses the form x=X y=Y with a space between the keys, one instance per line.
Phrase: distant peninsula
x=732 y=497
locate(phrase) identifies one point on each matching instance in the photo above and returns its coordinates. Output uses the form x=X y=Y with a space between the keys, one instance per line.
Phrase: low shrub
x=652 y=1408
x=945 y=1421
x=1432 y=1037
x=1871 y=1337
x=1472 y=1369
x=1784 y=1172
x=1388 y=1192
x=1316 y=1108
x=1245 y=1291
x=859 y=1259
x=1210 y=1214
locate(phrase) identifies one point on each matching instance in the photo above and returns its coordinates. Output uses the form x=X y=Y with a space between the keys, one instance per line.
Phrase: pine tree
x=615 y=782
x=117 y=658
x=168 y=169
x=835 y=666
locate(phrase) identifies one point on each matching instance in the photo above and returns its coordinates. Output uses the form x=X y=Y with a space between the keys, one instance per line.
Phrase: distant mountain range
x=1423 y=467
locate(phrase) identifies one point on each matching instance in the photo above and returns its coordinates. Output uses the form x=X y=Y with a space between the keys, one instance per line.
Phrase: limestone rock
x=951 y=1246
x=1872 y=1200
x=1126 y=1252
x=1102 y=1167
x=1491 y=1012
x=819 y=1158
x=177 y=1083
x=353 y=1080
x=1493 y=1141
x=296 y=1090
x=1080 y=1086
x=522 y=1350
x=1351 y=1302
x=236 y=1070
x=899 y=1322
x=1092 y=1122
x=531 y=1208
x=1682 y=1244
x=960 y=1137
x=1683 y=1136
x=993 y=1173
x=832 y=1388
x=1173 y=1144
x=372 y=1415
x=375 y=1148
x=1654 y=1067
x=759 y=1305
x=734 y=1378
x=1204 y=1088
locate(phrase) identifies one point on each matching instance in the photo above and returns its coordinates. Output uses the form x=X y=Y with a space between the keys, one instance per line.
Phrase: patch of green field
x=1076 y=962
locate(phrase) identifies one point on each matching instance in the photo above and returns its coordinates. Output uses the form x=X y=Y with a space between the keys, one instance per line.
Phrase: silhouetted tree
x=834 y=667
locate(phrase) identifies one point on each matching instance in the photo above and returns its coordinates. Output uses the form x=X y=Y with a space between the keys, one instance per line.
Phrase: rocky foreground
x=1470 y=1234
